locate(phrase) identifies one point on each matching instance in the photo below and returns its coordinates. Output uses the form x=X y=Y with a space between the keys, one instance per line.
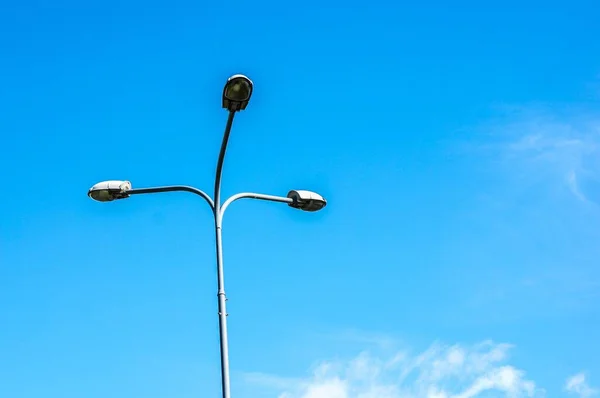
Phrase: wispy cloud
x=441 y=371
x=578 y=385
x=554 y=146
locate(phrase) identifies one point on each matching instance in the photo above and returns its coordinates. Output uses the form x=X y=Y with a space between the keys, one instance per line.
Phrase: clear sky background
x=458 y=147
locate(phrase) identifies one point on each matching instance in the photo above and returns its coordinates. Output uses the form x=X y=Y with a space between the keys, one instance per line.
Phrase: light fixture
x=237 y=93
x=107 y=191
x=306 y=200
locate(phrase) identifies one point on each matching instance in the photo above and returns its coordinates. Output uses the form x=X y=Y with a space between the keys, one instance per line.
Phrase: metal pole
x=218 y=209
x=222 y=298
x=222 y=312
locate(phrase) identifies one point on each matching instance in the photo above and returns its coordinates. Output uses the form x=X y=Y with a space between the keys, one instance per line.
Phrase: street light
x=236 y=95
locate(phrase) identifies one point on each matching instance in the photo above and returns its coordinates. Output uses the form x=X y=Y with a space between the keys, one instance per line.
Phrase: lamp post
x=236 y=95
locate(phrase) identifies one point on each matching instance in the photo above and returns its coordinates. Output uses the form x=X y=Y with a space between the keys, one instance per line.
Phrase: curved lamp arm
x=250 y=195
x=173 y=188
x=219 y=172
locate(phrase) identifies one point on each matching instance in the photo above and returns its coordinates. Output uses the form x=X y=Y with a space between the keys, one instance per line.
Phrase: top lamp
x=237 y=93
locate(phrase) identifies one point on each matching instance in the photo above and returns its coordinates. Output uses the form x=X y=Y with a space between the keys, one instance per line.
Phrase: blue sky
x=457 y=146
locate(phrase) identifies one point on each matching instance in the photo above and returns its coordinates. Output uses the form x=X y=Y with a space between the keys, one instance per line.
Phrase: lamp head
x=237 y=93
x=306 y=200
x=107 y=191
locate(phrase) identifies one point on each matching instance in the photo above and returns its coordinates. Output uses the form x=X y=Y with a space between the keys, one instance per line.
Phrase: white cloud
x=441 y=371
x=577 y=385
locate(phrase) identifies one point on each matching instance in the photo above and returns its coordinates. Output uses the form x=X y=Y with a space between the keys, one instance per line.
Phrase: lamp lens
x=238 y=90
x=101 y=195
